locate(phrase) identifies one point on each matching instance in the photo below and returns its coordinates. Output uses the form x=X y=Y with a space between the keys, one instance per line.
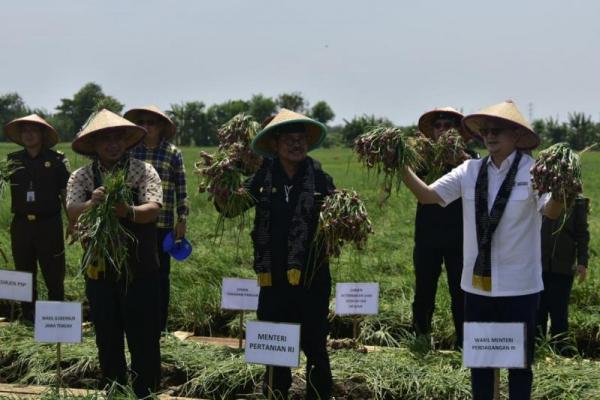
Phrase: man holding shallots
x=122 y=283
x=502 y=216
x=438 y=237
x=295 y=282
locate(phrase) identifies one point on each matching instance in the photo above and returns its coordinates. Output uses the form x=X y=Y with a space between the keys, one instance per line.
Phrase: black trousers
x=309 y=308
x=164 y=273
x=132 y=311
x=554 y=304
x=40 y=241
x=504 y=309
x=428 y=261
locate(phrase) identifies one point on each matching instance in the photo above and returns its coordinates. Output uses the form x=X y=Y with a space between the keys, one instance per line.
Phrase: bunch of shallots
x=223 y=181
x=343 y=219
x=222 y=174
x=388 y=151
x=557 y=170
x=7 y=168
x=448 y=149
x=235 y=137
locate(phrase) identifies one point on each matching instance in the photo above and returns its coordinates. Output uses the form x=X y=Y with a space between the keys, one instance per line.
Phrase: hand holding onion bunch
x=105 y=240
x=557 y=170
x=388 y=151
x=343 y=219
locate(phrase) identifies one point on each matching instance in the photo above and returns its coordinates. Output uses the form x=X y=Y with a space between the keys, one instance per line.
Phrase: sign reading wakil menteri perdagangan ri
x=494 y=345
x=272 y=343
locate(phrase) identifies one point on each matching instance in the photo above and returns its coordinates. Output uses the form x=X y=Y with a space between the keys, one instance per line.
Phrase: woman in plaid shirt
x=166 y=158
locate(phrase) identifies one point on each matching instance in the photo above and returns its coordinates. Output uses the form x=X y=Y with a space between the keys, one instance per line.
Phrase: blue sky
x=389 y=58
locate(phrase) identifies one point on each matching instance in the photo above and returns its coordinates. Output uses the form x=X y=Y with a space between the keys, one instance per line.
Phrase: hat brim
x=12 y=131
x=262 y=144
x=528 y=139
x=170 y=128
x=426 y=121
x=85 y=144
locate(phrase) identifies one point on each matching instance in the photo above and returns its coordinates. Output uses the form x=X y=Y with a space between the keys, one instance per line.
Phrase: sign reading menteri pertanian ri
x=357 y=298
x=57 y=322
x=16 y=285
x=272 y=343
x=494 y=345
x=239 y=294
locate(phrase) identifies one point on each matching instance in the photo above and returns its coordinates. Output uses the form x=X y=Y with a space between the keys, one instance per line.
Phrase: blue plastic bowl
x=179 y=250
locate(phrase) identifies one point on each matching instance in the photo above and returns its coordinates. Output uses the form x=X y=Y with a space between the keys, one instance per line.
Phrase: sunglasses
x=147 y=122
x=443 y=125
x=289 y=140
x=491 y=131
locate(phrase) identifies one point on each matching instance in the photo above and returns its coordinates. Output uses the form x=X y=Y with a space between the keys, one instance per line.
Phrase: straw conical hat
x=315 y=132
x=102 y=122
x=12 y=130
x=505 y=112
x=426 y=121
x=134 y=114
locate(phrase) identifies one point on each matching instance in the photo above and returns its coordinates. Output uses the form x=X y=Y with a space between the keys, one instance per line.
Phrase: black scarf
x=299 y=232
x=486 y=223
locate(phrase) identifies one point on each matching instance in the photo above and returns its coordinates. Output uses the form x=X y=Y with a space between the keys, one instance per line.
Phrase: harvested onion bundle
x=223 y=181
x=343 y=219
x=448 y=149
x=557 y=170
x=235 y=137
x=388 y=151
x=105 y=239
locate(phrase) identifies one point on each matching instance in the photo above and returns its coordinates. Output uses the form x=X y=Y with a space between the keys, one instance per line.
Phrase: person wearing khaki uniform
x=37 y=188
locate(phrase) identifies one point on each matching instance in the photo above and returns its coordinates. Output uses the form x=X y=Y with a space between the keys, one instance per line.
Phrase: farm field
x=406 y=368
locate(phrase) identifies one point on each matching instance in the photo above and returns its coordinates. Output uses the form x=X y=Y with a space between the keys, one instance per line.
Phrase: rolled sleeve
x=150 y=187
x=449 y=186
x=78 y=184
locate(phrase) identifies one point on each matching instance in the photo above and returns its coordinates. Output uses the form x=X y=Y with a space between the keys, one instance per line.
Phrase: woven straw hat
x=134 y=114
x=426 y=121
x=315 y=132
x=503 y=112
x=12 y=130
x=102 y=122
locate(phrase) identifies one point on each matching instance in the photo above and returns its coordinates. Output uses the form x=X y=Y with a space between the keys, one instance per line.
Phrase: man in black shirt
x=37 y=185
x=438 y=239
x=288 y=190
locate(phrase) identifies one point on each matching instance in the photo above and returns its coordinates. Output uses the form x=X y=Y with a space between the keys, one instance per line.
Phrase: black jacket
x=561 y=248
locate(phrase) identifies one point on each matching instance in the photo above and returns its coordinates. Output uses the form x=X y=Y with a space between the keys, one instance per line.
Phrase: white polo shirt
x=516 y=243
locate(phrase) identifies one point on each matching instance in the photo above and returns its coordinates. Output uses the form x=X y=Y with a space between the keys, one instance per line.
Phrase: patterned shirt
x=141 y=177
x=168 y=162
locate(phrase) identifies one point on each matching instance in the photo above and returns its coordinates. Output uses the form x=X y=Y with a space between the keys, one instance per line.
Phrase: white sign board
x=494 y=345
x=57 y=322
x=16 y=285
x=357 y=298
x=239 y=294
x=272 y=343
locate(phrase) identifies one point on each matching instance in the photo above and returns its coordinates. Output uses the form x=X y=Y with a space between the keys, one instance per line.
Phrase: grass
x=400 y=372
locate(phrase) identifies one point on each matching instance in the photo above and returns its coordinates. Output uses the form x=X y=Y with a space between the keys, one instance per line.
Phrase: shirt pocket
x=519 y=193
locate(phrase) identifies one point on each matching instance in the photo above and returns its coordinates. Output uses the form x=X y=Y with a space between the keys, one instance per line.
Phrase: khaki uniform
x=36 y=229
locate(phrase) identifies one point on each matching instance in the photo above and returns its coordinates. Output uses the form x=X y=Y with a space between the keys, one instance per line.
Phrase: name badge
x=30 y=196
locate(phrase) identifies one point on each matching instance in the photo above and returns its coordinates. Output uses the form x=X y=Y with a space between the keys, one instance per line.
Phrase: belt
x=36 y=217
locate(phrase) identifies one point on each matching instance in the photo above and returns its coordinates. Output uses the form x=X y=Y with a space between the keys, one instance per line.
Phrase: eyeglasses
x=443 y=125
x=147 y=122
x=289 y=140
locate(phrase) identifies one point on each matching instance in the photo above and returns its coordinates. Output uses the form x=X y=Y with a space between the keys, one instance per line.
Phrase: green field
x=406 y=371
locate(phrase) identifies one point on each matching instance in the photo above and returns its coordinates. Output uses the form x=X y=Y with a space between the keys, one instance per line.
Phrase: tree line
x=198 y=123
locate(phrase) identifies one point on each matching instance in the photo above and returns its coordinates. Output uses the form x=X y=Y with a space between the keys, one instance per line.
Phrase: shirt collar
x=505 y=164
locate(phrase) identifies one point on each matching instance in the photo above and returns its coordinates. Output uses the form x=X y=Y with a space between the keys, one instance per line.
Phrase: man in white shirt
x=502 y=215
